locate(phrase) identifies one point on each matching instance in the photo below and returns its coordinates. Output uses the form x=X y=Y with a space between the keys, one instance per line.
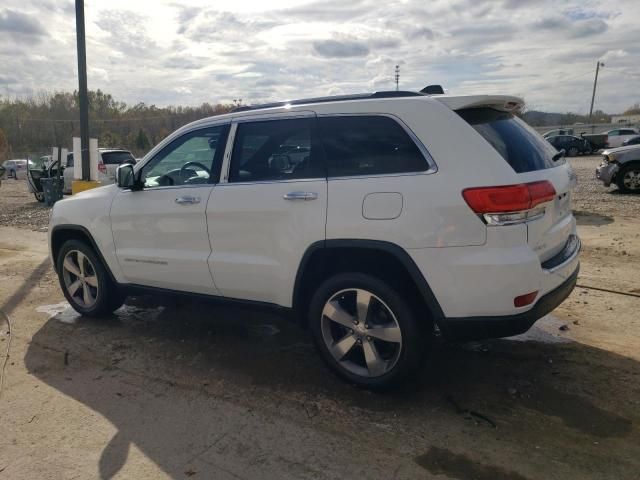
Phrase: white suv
x=377 y=219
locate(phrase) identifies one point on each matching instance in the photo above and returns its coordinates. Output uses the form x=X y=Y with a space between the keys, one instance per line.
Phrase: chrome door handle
x=300 y=196
x=187 y=200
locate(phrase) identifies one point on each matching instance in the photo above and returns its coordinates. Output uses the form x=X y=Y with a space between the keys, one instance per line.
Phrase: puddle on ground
x=440 y=461
x=62 y=311
x=543 y=331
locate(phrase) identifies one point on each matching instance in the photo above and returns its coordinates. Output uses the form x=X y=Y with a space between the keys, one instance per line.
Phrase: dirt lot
x=179 y=389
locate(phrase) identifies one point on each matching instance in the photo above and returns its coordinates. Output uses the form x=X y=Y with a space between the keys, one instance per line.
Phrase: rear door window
x=519 y=144
x=276 y=150
x=368 y=145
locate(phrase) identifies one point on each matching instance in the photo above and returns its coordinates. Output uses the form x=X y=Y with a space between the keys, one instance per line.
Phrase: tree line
x=29 y=127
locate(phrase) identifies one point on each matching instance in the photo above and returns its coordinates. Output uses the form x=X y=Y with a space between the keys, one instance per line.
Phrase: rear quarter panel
x=434 y=214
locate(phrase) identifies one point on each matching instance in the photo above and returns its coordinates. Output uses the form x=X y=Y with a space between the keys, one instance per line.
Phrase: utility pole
x=82 y=90
x=595 y=83
x=397 y=77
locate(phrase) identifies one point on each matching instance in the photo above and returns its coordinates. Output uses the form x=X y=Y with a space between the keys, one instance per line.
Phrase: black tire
x=39 y=196
x=415 y=339
x=633 y=169
x=573 y=152
x=108 y=297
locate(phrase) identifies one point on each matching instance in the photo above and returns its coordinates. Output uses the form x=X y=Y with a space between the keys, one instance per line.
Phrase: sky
x=192 y=51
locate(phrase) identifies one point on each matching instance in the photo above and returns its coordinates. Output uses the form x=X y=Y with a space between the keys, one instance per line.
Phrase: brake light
x=102 y=168
x=509 y=204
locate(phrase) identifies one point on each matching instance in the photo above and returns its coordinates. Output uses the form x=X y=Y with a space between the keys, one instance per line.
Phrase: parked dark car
x=573 y=146
x=631 y=141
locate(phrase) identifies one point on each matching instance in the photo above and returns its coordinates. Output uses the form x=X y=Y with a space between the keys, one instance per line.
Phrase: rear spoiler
x=505 y=103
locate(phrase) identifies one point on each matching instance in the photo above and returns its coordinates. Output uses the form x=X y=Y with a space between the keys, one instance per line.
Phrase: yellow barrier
x=78 y=186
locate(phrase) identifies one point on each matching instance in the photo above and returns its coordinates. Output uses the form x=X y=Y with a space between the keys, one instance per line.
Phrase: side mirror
x=125 y=178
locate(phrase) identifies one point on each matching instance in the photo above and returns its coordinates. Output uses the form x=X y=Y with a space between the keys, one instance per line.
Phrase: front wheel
x=85 y=281
x=365 y=331
x=628 y=178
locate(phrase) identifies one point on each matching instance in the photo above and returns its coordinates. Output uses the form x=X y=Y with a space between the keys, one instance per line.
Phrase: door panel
x=160 y=232
x=162 y=243
x=258 y=238
x=273 y=208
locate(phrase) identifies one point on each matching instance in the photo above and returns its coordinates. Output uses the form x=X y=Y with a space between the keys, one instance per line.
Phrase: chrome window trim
x=168 y=187
x=262 y=182
x=433 y=167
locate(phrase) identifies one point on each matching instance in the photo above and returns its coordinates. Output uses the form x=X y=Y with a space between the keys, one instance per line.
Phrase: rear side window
x=368 y=145
x=520 y=145
x=117 y=158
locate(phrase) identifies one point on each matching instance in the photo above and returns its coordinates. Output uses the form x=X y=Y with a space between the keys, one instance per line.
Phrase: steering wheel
x=194 y=164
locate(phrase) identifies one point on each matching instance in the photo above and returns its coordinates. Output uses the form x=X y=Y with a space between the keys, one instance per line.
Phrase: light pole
x=397 y=76
x=82 y=90
x=595 y=83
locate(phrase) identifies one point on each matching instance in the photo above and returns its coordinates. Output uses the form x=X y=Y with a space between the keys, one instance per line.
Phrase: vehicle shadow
x=170 y=375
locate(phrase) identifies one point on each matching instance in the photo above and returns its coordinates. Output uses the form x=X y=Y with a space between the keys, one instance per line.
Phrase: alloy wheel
x=361 y=332
x=631 y=179
x=80 y=278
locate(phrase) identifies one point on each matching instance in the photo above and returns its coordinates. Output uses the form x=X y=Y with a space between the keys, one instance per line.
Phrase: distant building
x=625 y=119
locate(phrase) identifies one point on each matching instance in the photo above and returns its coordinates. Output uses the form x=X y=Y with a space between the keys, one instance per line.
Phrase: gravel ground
x=592 y=197
x=18 y=207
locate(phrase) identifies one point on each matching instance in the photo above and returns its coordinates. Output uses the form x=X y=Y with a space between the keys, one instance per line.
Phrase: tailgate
x=548 y=234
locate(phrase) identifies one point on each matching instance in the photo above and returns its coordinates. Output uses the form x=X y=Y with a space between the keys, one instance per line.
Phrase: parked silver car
x=622 y=167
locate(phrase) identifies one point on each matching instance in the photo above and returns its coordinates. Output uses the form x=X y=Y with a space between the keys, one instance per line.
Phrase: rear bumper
x=476 y=328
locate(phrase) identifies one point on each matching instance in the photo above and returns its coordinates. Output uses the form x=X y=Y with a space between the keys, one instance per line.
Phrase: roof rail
x=335 y=98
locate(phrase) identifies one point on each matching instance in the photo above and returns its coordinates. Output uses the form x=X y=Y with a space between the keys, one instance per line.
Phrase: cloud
x=340 y=48
x=572 y=28
x=21 y=24
x=589 y=27
x=192 y=51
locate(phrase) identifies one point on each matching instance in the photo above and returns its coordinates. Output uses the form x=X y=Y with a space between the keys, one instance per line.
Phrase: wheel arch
x=62 y=233
x=324 y=258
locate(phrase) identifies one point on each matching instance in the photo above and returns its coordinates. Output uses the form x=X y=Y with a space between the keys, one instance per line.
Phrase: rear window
x=117 y=158
x=519 y=144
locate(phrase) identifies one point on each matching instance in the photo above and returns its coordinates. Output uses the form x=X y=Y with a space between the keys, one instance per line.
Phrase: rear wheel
x=365 y=331
x=85 y=281
x=628 y=178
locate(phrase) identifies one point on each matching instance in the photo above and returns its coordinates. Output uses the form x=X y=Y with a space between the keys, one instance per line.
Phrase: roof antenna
x=397 y=77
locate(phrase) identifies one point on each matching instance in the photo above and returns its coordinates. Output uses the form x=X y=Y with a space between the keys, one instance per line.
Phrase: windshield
x=519 y=144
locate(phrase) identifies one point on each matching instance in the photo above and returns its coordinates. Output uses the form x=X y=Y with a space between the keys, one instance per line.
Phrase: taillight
x=102 y=168
x=509 y=204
